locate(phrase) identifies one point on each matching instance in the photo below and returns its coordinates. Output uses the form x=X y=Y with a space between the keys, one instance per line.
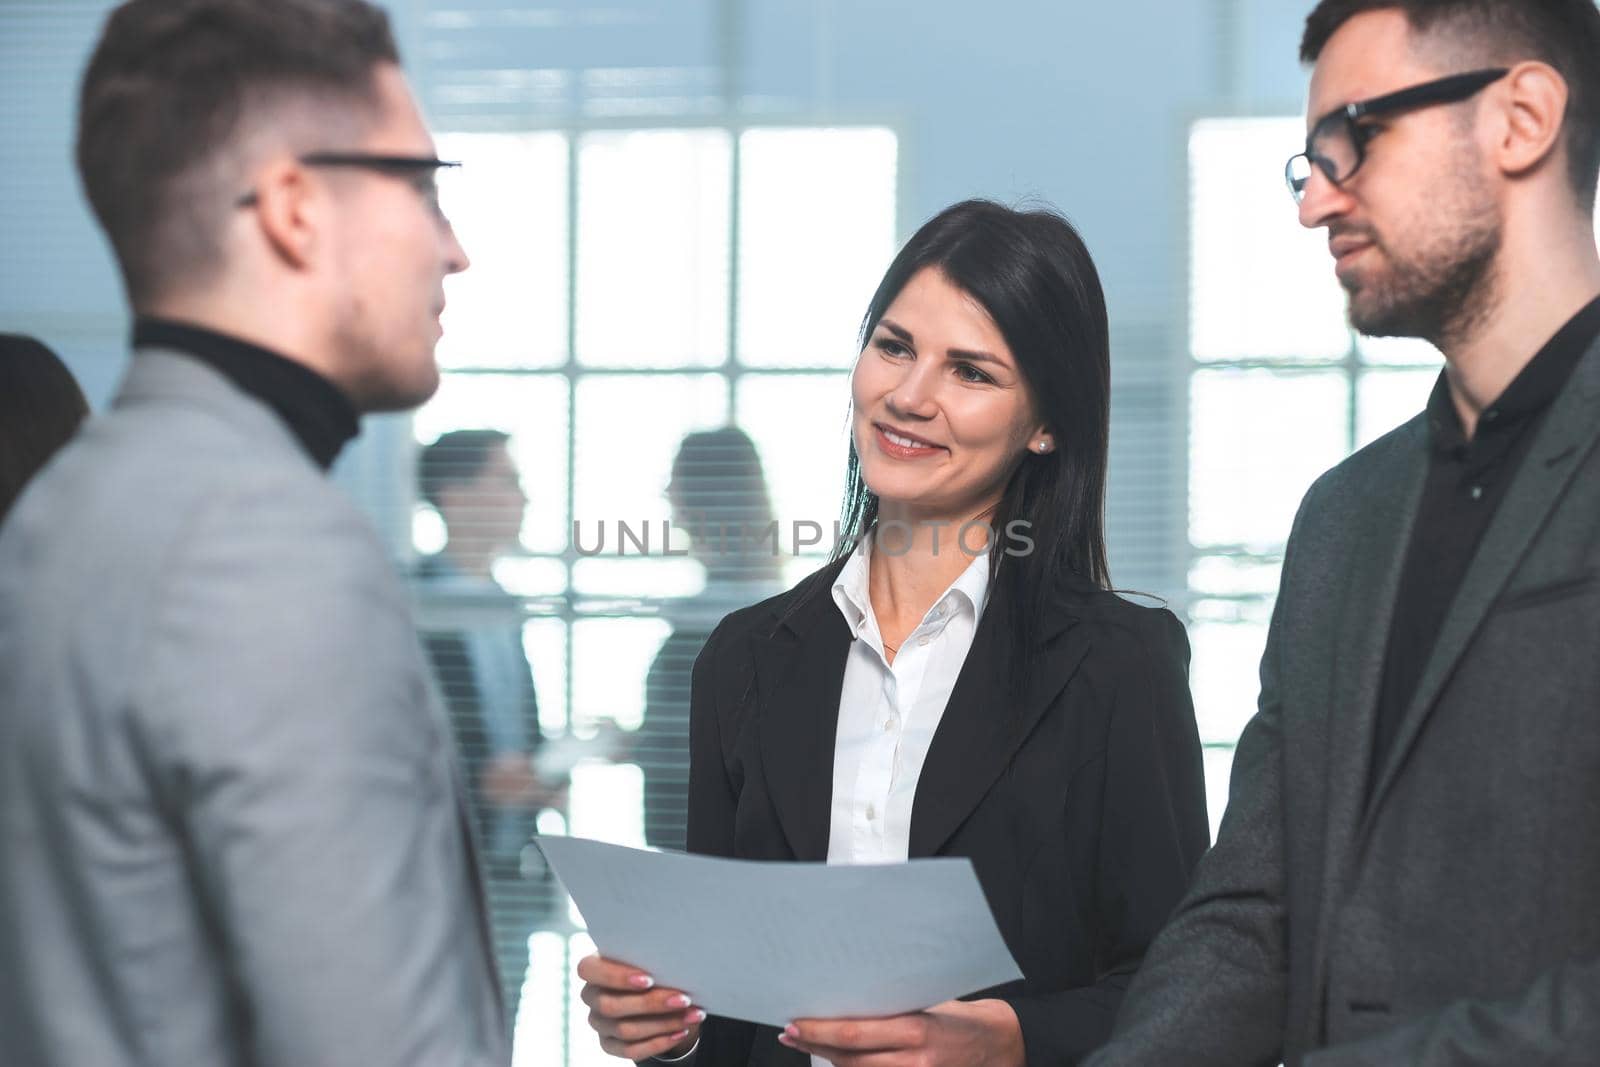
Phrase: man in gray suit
x=231 y=831
x=1408 y=871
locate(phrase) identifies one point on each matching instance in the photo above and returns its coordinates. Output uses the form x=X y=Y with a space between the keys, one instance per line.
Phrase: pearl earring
x=1044 y=446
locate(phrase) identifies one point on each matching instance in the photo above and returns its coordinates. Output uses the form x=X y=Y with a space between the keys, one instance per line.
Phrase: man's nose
x=456 y=259
x=1321 y=201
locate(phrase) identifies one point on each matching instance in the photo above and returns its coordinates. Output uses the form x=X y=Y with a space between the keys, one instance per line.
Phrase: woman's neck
x=914 y=560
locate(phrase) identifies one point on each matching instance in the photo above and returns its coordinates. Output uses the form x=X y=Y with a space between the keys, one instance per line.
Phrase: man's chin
x=398 y=395
x=1372 y=319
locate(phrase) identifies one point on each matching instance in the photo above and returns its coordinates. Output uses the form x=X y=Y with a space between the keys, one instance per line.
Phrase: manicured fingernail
x=792 y=1030
x=641 y=981
x=678 y=1000
x=785 y=1039
x=680 y=1035
x=696 y=1016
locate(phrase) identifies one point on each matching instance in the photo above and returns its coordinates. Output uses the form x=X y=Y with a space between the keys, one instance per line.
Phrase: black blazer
x=1083 y=810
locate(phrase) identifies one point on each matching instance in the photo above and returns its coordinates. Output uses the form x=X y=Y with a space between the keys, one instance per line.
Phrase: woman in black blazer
x=959 y=681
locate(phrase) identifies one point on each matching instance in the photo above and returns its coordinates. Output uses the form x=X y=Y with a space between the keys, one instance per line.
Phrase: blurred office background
x=677 y=210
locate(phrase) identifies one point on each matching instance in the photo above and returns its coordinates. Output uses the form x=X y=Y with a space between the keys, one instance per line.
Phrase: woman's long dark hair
x=40 y=408
x=1032 y=273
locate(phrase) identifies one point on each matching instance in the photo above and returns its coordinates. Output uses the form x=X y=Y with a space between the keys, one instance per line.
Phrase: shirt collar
x=321 y=417
x=1533 y=390
x=851 y=592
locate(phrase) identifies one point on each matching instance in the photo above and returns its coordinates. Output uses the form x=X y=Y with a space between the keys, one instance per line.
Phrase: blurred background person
x=41 y=407
x=718 y=495
x=470 y=479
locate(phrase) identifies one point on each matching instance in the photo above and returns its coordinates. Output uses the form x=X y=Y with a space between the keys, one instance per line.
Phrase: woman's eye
x=892 y=348
x=968 y=373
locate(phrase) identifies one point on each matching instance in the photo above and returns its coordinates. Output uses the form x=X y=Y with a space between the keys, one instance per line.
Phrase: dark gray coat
x=1454 y=918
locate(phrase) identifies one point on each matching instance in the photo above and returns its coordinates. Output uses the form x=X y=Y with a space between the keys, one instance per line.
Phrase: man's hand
x=508 y=781
x=982 y=1033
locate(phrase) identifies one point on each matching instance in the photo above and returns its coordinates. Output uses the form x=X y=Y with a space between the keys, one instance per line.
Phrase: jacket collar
x=1569 y=432
x=852 y=595
x=799 y=677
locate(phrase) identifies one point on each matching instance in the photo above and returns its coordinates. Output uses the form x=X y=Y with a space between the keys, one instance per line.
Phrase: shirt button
x=889 y=724
x=872 y=812
x=923 y=641
x=1477 y=492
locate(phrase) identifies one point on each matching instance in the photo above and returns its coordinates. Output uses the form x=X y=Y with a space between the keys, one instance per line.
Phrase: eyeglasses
x=1337 y=145
x=422 y=171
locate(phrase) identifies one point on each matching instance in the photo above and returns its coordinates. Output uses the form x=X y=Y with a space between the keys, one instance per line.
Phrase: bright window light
x=654 y=215
x=1257 y=440
x=816 y=230
x=508 y=204
x=1261 y=285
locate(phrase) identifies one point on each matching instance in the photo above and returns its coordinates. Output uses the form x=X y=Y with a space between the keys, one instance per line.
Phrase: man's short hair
x=172 y=91
x=455 y=458
x=1563 y=33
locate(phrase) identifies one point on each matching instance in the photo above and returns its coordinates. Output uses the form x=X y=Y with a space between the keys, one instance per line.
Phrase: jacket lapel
x=1366 y=611
x=799 y=678
x=1370 y=586
x=1569 y=431
x=979 y=732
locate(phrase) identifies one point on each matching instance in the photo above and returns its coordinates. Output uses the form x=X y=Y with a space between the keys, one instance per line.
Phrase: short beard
x=1439 y=295
x=1444 y=288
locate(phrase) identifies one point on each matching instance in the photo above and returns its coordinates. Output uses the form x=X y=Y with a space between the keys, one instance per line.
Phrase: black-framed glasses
x=1337 y=144
x=422 y=171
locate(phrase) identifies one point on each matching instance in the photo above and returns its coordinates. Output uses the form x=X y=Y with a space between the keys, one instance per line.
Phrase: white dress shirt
x=889 y=712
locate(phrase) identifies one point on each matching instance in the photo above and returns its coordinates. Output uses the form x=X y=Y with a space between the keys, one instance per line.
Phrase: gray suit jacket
x=230 y=827
x=1454 y=918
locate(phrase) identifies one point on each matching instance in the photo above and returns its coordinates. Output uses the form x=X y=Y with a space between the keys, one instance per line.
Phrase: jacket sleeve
x=712 y=803
x=288 y=727
x=458 y=692
x=1153 y=829
x=1212 y=990
x=1548 y=1024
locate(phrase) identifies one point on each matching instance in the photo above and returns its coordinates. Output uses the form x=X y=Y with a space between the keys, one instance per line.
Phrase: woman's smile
x=897 y=444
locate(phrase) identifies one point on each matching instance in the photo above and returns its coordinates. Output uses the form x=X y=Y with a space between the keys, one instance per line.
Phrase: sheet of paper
x=774 y=942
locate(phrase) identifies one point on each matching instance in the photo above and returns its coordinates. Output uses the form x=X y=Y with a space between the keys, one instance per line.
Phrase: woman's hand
x=957 y=1033
x=634 y=1018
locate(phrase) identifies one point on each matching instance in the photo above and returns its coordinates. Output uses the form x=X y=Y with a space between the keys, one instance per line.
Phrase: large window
x=630 y=286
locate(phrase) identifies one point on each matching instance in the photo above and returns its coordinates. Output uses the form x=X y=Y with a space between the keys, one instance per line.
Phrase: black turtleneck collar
x=319 y=415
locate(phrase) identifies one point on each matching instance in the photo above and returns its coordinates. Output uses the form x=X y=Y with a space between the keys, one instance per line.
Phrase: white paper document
x=775 y=942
